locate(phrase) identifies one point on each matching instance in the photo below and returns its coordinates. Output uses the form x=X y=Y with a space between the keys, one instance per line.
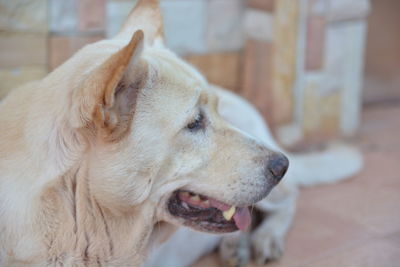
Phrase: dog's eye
x=197 y=124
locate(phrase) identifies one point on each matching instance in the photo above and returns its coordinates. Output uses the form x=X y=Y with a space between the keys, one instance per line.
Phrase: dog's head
x=155 y=134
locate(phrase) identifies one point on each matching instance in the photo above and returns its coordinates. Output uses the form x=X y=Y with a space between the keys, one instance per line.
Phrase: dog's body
x=98 y=159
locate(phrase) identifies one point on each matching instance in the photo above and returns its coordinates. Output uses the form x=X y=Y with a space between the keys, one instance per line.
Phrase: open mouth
x=208 y=214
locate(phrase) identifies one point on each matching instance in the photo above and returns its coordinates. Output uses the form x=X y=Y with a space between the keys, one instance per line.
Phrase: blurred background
x=318 y=70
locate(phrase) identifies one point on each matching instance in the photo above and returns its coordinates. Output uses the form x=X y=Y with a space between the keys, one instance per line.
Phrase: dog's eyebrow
x=196 y=100
x=203 y=98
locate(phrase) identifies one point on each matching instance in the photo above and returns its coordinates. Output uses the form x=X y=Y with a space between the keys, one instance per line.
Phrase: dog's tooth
x=228 y=214
x=195 y=198
x=206 y=203
x=185 y=205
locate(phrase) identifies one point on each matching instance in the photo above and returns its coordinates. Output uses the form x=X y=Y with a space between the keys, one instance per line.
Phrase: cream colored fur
x=91 y=153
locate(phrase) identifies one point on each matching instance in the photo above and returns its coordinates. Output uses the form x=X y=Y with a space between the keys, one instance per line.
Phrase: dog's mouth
x=208 y=214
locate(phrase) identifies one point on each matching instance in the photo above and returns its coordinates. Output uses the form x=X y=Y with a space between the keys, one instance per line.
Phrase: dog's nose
x=278 y=165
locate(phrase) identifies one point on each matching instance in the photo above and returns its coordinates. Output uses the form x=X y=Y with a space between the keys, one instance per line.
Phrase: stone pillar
x=258 y=64
x=303 y=66
x=335 y=40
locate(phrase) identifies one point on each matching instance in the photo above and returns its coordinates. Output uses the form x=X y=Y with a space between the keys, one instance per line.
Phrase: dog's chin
x=206 y=214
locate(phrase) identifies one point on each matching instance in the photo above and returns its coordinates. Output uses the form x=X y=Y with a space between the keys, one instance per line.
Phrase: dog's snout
x=277 y=165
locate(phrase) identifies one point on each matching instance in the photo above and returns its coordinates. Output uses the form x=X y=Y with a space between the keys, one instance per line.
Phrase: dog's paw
x=234 y=250
x=266 y=247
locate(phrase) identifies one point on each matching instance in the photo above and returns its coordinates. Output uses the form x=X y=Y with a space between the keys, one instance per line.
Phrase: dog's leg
x=234 y=249
x=267 y=240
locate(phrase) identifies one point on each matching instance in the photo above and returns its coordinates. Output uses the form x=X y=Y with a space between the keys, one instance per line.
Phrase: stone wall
x=313 y=62
x=299 y=61
x=23 y=42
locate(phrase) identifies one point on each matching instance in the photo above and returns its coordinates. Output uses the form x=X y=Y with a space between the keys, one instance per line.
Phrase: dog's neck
x=57 y=218
x=90 y=232
x=70 y=227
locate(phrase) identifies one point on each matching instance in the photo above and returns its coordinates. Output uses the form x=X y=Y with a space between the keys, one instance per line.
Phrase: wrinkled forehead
x=172 y=66
x=171 y=77
x=173 y=92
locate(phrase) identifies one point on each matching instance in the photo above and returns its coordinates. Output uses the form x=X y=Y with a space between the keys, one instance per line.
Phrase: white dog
x=106 y=155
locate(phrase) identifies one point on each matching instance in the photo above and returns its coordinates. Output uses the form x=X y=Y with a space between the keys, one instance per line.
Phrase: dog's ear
x=105 y=102
x=145 y=16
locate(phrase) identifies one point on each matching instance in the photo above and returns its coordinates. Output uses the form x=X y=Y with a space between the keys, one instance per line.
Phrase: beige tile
x=285 y=58
x=22 y=49
x=340 y=10
x=91 y=15
x=23 y=16
x=63 y=15
x=63 y=47
x=343 y=70
x=311 y=114
x=330 y=105
x=267 y=5
x=353 y=35
x=258 y=25
x=13 y=78
x=224 y=32
x=256 y=83
x=220 y=68
x=321 y=109
x=315 y=42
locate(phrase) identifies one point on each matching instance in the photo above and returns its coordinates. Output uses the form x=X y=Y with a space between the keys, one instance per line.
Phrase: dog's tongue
x=241 y=216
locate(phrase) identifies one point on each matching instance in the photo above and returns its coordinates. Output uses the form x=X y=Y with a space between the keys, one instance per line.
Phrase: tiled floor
x=355 y=222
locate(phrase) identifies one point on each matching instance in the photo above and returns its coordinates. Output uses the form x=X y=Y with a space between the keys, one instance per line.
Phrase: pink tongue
x=242 y=218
